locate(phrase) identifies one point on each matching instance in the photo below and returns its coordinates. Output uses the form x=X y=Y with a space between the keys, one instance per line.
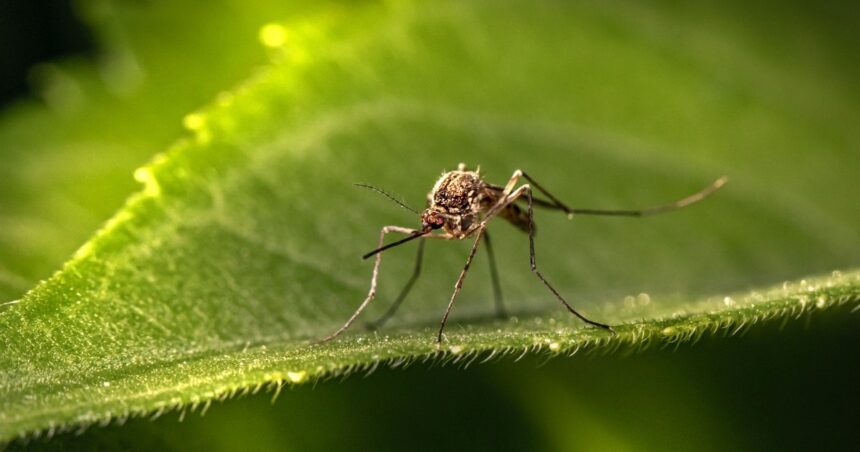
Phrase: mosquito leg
x=681 y=203
x=459 y=284
x=560 y=205
x=505 y=198
x=403 y=293
x=528 y=193
x=512 y=182
x=494 y=274
x=372 y=292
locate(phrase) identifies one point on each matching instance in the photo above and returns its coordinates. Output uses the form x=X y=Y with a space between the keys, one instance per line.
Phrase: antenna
x=388 y=195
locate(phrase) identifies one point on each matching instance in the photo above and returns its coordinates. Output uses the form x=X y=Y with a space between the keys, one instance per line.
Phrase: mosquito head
x=430 y=220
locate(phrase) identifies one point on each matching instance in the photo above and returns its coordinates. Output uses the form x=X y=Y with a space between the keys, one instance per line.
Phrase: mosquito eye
x=433 y=221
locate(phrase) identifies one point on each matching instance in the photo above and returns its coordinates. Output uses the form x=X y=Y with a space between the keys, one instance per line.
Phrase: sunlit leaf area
x=180 y=225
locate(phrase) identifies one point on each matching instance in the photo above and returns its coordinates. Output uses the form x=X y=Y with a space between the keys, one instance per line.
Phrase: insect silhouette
x=460 y=206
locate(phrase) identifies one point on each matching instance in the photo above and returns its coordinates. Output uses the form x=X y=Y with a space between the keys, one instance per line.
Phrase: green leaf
x=243 y=244
x=67 y=157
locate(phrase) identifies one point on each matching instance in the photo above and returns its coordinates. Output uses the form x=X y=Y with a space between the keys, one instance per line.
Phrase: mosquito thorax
x=458 y=193
x=458 y=198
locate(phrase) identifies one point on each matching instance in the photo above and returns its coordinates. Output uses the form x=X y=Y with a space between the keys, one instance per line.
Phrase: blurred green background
x=134 y=69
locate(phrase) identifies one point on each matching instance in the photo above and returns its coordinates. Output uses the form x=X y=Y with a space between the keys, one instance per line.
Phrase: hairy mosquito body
x=460 y=205
x=460 y=200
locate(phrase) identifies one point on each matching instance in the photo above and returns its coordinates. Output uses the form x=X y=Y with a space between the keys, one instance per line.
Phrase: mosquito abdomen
x=517 y=216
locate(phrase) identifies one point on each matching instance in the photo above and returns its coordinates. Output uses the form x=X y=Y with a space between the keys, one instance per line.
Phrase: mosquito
x=460 y=205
